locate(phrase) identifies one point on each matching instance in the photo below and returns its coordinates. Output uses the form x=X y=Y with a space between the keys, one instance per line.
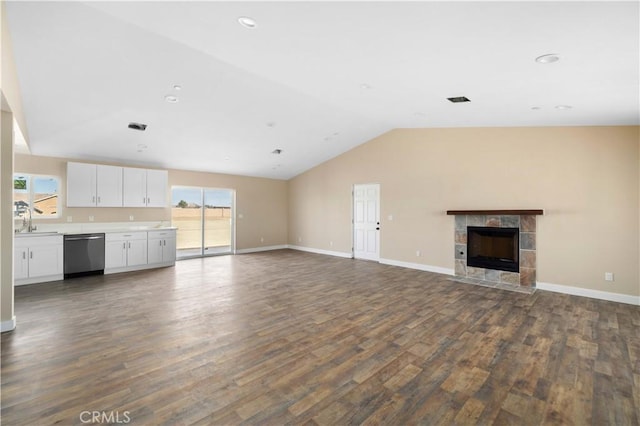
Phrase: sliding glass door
x=204 y=218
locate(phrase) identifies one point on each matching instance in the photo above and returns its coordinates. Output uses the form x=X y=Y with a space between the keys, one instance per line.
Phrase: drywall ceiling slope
x=313 y=79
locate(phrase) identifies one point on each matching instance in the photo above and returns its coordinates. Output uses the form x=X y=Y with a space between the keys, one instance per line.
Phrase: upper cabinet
x=145 y=188
x=93 y=185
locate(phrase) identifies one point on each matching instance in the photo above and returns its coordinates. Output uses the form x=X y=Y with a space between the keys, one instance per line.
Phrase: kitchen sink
x=36 y=233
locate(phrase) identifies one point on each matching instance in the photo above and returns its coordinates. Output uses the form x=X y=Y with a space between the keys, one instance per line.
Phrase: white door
x=366 y=221
x=109 y=186
x=20 y=263
x=81 y=185
x=154 y=249
x=115 y=254
x=45 y=260
x=134 y=187
x=137 y=252
x=157 y=188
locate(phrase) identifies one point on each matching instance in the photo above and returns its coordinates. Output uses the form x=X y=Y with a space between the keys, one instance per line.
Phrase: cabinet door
x=134 y=187
x=109 y=186
x=20 y=263
x=115 y=253
x=157 y=188
x=81 y=185
x=154 y=249
x=45 y=260
x=137 y=252
x=169 y=250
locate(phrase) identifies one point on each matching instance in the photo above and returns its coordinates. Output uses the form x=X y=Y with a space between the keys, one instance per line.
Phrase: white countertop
x=88 y=228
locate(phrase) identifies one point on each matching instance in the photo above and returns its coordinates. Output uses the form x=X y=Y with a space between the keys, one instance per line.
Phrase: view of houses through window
x=37 y=195
x=203 y=217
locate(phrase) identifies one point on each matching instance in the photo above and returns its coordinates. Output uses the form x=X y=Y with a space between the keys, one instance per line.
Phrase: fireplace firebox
x=493 y=248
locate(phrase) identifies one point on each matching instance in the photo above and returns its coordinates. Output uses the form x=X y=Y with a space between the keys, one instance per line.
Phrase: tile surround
x=527 y=256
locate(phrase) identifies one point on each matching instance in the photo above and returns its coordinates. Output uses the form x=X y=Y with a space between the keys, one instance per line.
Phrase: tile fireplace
x=496 y=246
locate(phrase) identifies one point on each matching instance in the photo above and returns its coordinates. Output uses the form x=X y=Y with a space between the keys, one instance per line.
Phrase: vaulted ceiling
x=312 y=79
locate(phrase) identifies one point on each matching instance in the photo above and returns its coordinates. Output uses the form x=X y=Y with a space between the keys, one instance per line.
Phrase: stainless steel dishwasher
x=83 y=254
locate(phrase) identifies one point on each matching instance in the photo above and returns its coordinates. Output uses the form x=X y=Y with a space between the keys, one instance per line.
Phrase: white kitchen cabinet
x=38 y=258
x=93 y=185
x=125 y=250
x=145 y=188
x=161 y=246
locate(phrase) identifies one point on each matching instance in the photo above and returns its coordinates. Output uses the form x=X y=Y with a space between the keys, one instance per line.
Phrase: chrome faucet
x=28 y=224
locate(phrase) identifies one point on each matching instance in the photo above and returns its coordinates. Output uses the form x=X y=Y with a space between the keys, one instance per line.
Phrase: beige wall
x=585 y=178
x=262 y=202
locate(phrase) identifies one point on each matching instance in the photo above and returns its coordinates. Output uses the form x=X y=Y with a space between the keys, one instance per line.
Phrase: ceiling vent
x=459 y=99
x=137 y=126
x=277 y=151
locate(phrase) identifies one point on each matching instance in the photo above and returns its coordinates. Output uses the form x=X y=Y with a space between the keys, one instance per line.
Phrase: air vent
x=277 y=151
x=137 y=126
x=459 y=99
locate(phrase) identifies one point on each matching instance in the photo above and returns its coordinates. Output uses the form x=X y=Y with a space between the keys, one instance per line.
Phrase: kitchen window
x=37 y=195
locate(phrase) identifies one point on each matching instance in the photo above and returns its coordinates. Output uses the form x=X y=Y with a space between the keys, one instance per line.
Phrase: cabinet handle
x=93 y=199
x=30 y=255
x=124 y=246
x=160 y=241
x=148 y=200
x=164 y=242
x=144 y=200
x=98 y=200
x=24 y=254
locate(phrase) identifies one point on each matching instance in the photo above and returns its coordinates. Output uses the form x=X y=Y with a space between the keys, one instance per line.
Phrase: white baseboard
x=320 y=251
x=8 y=325
x=259 y=249
x=594 y=294
x=418 y=266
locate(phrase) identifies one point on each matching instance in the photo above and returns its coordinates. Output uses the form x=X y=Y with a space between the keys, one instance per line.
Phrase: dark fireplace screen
x=493 y=248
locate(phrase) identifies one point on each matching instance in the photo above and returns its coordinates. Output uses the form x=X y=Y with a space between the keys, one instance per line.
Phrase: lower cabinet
x=124 y=250
x=161 y=246
x=131 y=251
x=38 y=259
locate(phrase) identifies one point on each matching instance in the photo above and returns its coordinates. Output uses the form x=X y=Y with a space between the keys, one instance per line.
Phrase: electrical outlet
x=608 y=276
x=69 y=219
x=299 y=239
x=330 y=243
x=131 y=217
x=390 y=217
x=418 y=254
x=262 y=239
x=90 y=218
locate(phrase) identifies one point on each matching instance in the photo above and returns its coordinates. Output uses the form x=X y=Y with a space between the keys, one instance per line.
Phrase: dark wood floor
x=287 y=337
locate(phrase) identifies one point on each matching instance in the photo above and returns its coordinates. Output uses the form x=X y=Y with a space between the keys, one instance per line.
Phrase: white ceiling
x=314 y=79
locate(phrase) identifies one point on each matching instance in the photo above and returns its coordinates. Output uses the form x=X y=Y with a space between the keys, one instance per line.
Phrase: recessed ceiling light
x=247 y=22
x=365 y=86
x=535 y=108
x=177 y=87
x=548 y=58
x=563 y=107
x=172 y=99
x=459 y=99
